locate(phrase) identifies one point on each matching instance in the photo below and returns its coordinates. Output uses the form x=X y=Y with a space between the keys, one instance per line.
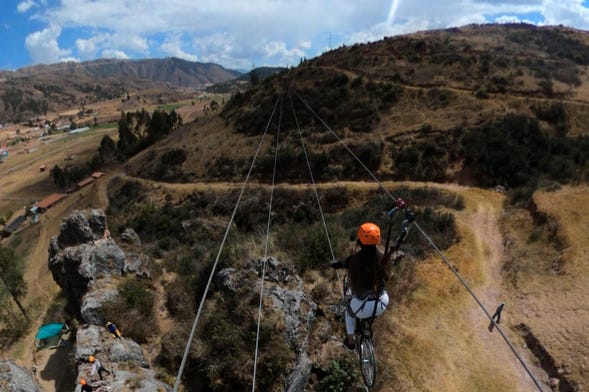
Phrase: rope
x=433 y=245
x=265 y=260
x=186 y=351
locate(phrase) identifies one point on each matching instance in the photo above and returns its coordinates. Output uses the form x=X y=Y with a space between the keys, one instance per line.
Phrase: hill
x=469 y=105
x=244 y=81
x=34 y=91
x=465 y=124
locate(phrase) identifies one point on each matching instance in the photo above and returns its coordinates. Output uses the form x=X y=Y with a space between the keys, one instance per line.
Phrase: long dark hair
x=366 y=272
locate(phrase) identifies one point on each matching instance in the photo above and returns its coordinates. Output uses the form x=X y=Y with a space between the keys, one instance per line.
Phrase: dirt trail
x=441 y=332
x=488 y=243
x=51 y=373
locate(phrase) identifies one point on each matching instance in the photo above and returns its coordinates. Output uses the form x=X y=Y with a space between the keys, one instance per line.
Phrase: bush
x=133 y=310
x=341 y=376
x=174 y=157
x=229 y=338
x=308 y=244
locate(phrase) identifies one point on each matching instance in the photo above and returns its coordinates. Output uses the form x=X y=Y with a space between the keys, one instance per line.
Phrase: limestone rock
x=15 y=378
x=287 y=297
x=85 y=262
x=129 y=236
x=137 y=264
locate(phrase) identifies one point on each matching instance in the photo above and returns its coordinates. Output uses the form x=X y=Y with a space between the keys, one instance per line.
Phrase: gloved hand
x=337 y=264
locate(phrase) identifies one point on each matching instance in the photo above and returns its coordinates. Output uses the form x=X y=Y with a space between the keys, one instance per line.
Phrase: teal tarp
x=49 y=330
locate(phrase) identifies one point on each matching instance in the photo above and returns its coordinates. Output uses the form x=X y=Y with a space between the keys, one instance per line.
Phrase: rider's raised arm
x=337 y=264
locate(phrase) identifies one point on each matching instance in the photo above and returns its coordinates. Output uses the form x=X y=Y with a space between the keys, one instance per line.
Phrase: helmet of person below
x=91 y=358
x=369 y=234
x=82 y=381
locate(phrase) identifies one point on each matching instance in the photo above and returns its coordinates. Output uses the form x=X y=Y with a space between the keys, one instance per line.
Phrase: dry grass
x=554 y=303
x=440 y=341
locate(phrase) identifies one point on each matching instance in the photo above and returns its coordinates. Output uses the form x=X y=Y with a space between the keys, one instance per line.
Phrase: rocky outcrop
x=16 y=379
x=123 y=358
x=285 y=289
x=85 y=262
x=83 y=253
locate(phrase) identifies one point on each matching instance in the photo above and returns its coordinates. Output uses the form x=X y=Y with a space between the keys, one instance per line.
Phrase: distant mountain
x=37 y=89
x=247 y=79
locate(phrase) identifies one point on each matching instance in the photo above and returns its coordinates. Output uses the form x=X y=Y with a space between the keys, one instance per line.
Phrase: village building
x=85 y=182
x=50 y=201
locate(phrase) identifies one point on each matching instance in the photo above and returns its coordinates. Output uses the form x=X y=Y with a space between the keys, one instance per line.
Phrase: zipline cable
x=433 y=245
x=473 y=295
x=314 y=187
x=187 y=350
x=265 y=259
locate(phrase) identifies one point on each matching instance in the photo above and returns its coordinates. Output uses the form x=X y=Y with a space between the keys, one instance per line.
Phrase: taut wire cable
x=200 y=307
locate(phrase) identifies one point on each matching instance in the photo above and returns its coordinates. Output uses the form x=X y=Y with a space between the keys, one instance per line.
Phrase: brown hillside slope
x=439 y=340
x=551 y=280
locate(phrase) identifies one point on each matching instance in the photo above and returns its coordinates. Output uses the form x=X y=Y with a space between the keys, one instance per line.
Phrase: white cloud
x=173 y=47
x=69 y=59
x=114 y=54
x=88 y=48
x=43 y=47
x=24 y=6
x=568 y=13
x=237 y=33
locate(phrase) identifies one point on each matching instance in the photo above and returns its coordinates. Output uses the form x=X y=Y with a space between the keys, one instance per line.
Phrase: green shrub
x=133 y=310
x=341 y=376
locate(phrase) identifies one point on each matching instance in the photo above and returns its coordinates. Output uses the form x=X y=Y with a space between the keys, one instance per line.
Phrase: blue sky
x=241 y=34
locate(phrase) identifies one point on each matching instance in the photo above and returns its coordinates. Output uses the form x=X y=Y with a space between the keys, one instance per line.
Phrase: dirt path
x=52 y=374
x=488 y=249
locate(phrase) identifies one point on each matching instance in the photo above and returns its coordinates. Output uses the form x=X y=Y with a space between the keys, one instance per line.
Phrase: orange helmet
x=369 y=234
x=82 y=381
x=91 y=358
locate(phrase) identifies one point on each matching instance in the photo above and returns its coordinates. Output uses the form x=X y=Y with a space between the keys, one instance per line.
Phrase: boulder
x=77 y=228
x=15 y=378
x=97 y=341
x=129 y=236
x=137 y=264
x=100 y=292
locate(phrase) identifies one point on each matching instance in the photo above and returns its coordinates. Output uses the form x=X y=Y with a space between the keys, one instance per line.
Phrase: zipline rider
x=368 y=270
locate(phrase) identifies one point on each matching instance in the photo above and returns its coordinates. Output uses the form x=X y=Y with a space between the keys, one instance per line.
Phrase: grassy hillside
x=479 y=105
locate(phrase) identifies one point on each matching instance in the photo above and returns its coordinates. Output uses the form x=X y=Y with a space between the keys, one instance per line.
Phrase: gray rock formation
x=285 y=288
x=100 y=292
x=15 y=378
x=83 y=252
x=123 y=358
x=129 y=236
x=137 y=264
x=85 y=262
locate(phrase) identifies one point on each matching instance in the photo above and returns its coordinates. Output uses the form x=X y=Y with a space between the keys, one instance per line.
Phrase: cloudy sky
x=241 y=34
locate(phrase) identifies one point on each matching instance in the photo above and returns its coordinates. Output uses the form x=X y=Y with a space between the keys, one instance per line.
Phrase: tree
x=107 y=149
x=158 y=126
x=12 y=277
x=59 y=176
x=127 y=139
